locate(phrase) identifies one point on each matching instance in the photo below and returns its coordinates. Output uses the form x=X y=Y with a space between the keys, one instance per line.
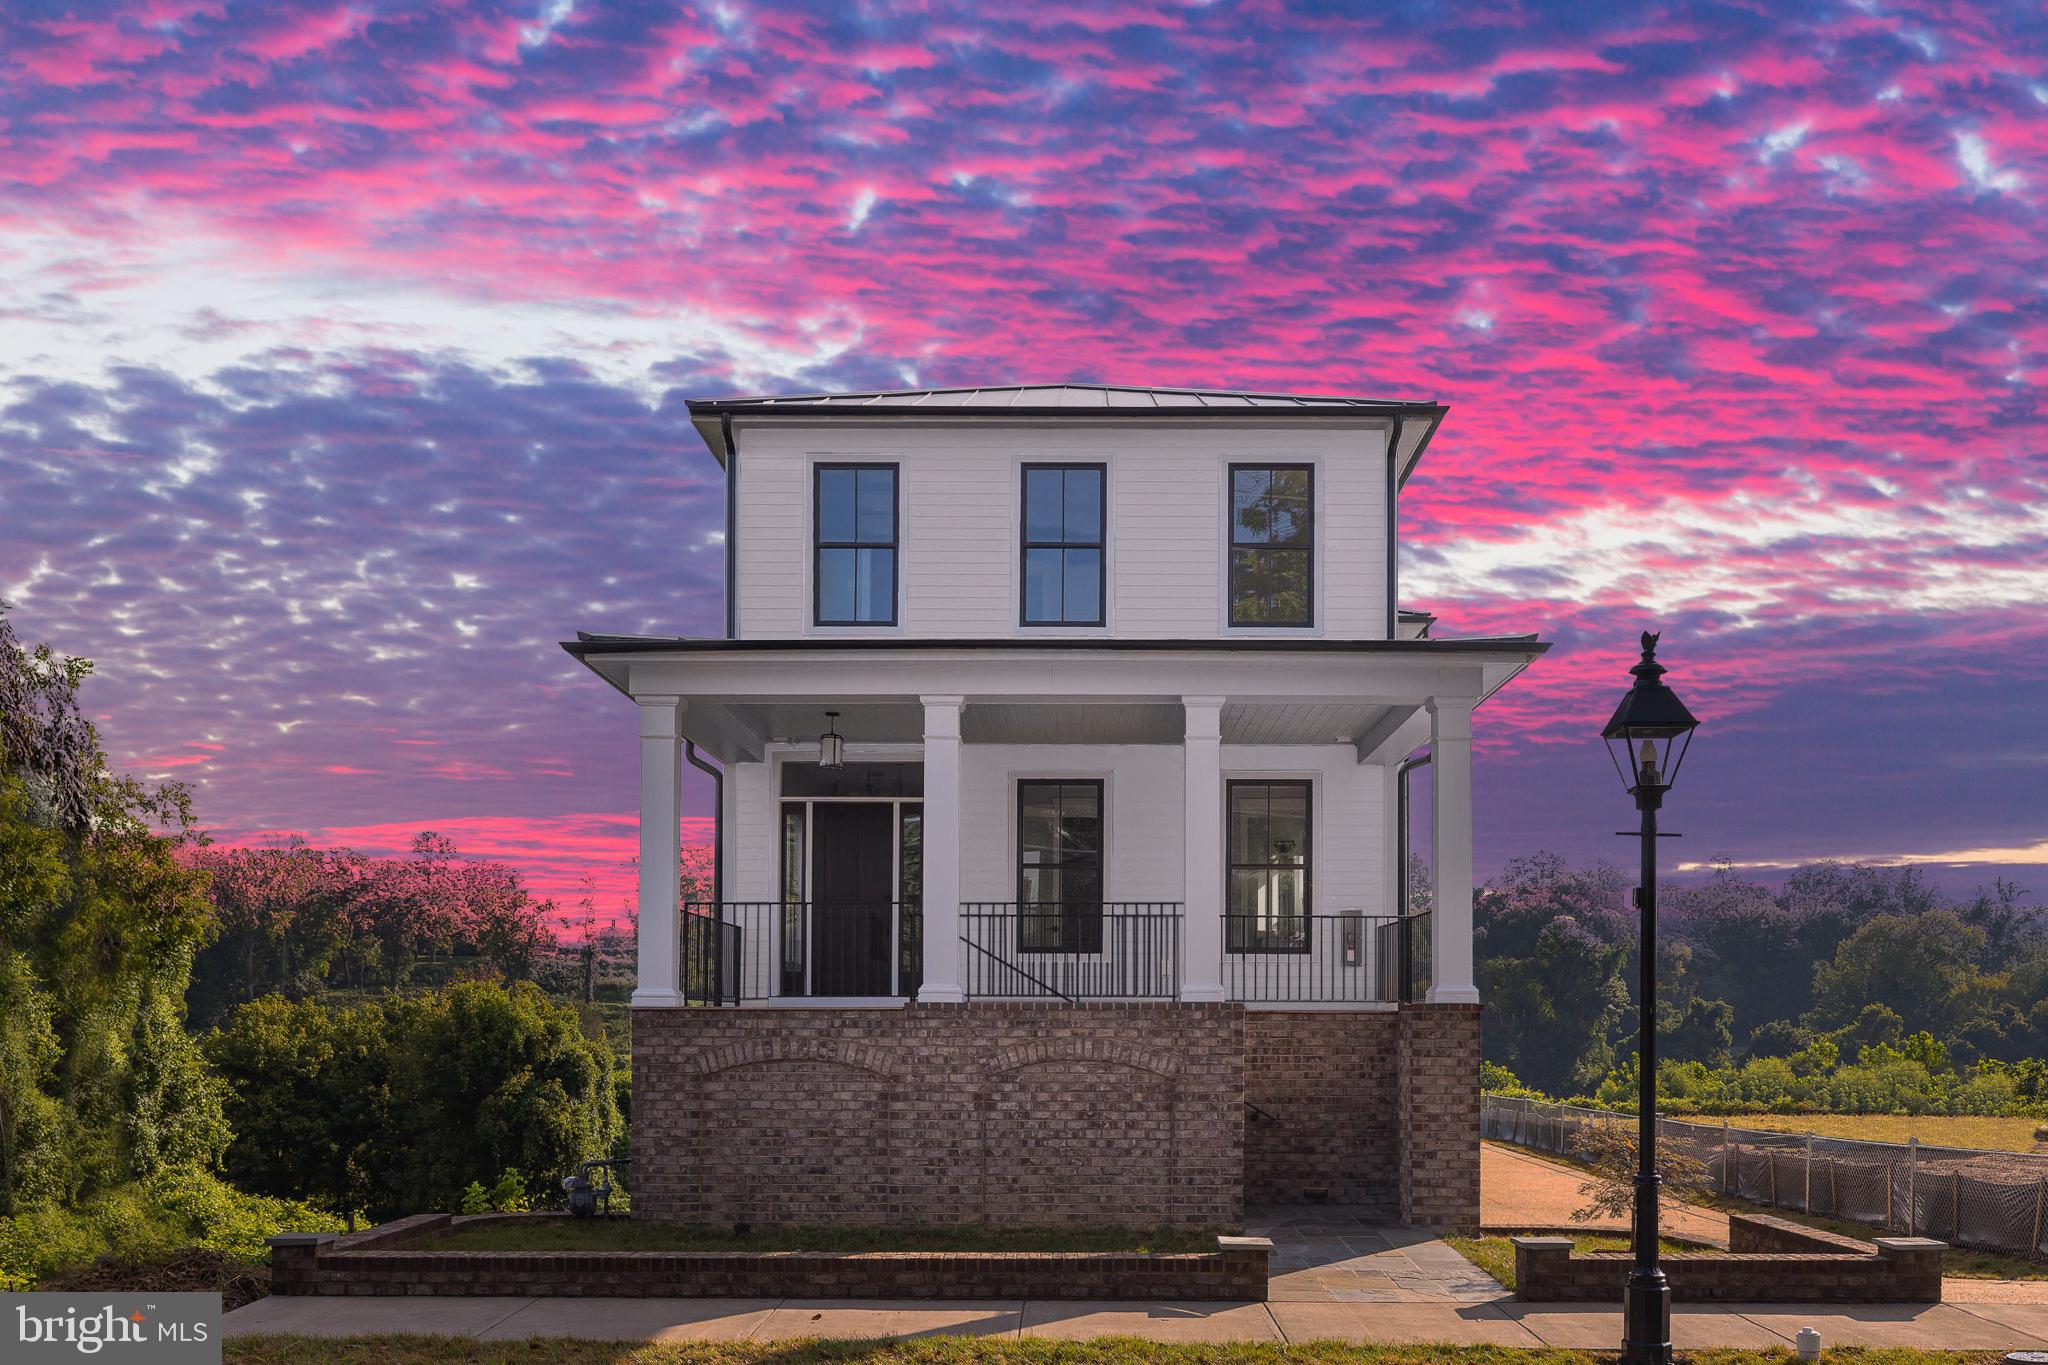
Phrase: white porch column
x=1450 y=785
x=1202 y=888
x=941 y=851
x=660 y=852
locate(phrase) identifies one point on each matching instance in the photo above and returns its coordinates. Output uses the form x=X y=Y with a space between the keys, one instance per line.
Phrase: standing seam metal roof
x=1055 y=396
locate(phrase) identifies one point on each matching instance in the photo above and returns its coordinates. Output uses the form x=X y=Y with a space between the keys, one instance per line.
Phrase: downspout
x=732 y=529
x=717 y=818
x=1401 y=874
x=1394 y=530
x=717 y=865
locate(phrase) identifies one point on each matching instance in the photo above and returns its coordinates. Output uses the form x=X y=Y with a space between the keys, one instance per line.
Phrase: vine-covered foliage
x=100 y=916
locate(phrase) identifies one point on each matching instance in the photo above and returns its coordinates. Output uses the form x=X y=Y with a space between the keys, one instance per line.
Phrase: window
x=1272 y=545
x=1268 y=896
x=853 y=573
x=1059 y=866
x=1063 y=539
x=795 y=891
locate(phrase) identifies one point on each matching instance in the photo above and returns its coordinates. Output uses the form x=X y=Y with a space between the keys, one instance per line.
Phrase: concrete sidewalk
x=1498 y=1322
x=1335 y=1276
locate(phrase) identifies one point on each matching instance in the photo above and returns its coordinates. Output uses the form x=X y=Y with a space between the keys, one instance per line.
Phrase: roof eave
x=708 y=414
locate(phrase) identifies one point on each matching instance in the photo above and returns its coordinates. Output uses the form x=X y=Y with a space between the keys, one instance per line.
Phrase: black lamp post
x=1648 y=725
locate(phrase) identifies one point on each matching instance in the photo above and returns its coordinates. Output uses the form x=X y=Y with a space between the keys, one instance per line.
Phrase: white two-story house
x=1060 y=737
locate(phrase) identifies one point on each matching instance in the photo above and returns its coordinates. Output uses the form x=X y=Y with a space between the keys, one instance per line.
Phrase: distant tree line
x=293 y=919
x=120 y=1115
x=1848 y=986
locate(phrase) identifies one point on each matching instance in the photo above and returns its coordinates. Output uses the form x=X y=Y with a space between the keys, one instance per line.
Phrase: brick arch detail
x=1033 y=1051
x=755 y=1051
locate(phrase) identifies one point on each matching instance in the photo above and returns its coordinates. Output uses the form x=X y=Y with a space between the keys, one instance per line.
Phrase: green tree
x=100 y=915
x=485 y=1077
x=308 y=1088
x=397 y=1106
x=1921 y=967
x=1551 y=1015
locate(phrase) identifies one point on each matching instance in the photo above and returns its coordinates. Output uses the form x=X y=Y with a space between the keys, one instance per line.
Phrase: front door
x=852 y=877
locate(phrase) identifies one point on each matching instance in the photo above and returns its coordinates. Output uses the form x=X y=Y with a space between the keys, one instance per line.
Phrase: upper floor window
x=1063 y=542
x=1272 y=545
x=853 y=571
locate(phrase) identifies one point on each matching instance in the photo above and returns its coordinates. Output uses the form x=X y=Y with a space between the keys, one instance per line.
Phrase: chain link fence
x=1965 y=1196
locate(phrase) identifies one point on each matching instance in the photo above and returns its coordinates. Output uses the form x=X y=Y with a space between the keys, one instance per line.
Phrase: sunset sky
x=343 y=351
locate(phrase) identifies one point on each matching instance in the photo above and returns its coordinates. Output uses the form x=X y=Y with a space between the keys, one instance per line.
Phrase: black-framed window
x=1063 y=560
x=795 y=892
x=1059 y=865
x=1267 y=898
x=1272 y=544
x=854 y=510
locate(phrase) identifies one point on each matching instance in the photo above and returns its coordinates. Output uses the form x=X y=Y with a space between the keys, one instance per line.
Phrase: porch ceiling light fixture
x=831 y=748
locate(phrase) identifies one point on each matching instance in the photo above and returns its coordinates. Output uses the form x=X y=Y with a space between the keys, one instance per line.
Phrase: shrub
x=395 y=1106
x=509 y=1194
x=148 y=1220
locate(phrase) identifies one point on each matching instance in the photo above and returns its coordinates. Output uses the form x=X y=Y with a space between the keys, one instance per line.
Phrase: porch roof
x=743 y=695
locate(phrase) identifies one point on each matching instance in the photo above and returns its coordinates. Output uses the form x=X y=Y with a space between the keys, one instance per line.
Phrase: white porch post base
x=1202 y=889
x=941 y=852
x=1450 y=783
x=659 y=914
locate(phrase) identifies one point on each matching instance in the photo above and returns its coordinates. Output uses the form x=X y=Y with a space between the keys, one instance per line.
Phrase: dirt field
x=2010 y=1135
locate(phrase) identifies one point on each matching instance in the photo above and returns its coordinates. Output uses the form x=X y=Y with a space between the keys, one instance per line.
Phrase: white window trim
x=1109 y=542
x=1107 y=777
x=1320 y=572
x=877 y=455
x=1314 y=778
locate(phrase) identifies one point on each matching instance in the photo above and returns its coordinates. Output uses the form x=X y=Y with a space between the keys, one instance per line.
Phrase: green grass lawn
x=1496 y=1255
x=1957 y=1262
x=1959 y=1130
x=401 y=1350
x=620 y=1234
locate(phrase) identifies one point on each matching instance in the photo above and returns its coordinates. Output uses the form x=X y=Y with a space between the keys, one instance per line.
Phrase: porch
x=1058 y=821
x=805 y=952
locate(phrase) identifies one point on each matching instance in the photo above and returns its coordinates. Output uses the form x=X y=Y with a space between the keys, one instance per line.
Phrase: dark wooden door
x=852 y=875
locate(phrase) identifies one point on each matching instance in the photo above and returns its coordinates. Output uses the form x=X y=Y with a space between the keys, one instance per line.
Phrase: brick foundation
x=1043 y=1115
x=390 y=1261
x=1000 y=1114
x=1769 y=1260
x=1438 y=1119
x=1321 y=1124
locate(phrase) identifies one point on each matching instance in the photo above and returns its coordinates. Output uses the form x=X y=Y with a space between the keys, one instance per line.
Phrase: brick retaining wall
x=1770 y=1260
x=388 y=1261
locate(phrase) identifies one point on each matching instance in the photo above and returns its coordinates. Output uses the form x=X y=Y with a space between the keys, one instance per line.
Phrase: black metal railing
x=1345 y=958
x=1111 y=950
x=711 y=964
x=735 y=951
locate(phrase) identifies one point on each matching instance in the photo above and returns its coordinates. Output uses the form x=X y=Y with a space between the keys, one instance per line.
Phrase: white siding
x=959 y=537
x=1143 y=788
